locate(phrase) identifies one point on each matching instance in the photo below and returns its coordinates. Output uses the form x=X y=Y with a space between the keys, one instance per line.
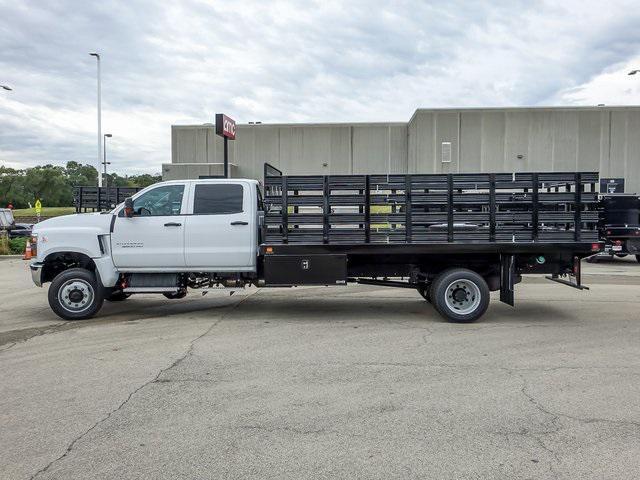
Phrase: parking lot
x=347 y=382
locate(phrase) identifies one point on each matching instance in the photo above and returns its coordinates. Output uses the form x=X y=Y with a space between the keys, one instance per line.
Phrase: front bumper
x=36 y=273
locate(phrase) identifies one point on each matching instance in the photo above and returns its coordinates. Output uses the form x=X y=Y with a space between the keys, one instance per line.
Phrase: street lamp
x=633 y=72
x=97 y=55
x=6 y=87
x=104 y=162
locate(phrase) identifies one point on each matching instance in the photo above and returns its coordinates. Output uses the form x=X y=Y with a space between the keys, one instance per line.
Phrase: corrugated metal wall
x=605 y=139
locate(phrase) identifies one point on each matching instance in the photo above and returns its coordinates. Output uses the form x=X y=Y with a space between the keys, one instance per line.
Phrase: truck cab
x=202 y=225
x=165 y=237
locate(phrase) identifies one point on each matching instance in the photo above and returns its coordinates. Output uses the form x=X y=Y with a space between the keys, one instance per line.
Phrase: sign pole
x=226 y=157
x=226 y=128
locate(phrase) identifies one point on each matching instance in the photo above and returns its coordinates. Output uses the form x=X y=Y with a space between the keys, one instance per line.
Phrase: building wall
x=604 y=139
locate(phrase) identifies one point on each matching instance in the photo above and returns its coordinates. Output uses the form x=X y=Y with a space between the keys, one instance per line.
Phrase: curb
x=10 y=257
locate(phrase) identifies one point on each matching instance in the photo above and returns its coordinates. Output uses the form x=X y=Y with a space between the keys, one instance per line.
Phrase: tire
x=460 y=295
x=176 y=296
x=621 y=255
x=638 y=258
x=75 y=294
x=425 y=291
x=117 y=296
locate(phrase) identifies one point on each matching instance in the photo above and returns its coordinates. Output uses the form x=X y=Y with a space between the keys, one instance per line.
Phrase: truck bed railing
x=88 y=198
x=431 y=208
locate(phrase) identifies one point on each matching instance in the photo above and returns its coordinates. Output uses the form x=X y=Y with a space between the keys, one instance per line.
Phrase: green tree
x=50 y=184
x=143 y=180
x=12 y=188
x=54 y=184
x=78 y=174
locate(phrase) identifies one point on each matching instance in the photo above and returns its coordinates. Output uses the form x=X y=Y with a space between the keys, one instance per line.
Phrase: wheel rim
x=462 y=296
x=76 y=295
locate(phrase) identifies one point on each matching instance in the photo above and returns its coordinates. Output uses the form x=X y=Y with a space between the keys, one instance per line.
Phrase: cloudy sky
x=179 y=62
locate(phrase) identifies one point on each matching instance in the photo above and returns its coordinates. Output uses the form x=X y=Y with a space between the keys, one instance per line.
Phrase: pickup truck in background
x=619 y=226
x=451 y=237
x=13 y=229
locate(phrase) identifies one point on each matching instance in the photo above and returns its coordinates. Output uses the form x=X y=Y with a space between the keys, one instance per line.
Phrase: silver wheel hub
x=462 y=296
x=76 y=295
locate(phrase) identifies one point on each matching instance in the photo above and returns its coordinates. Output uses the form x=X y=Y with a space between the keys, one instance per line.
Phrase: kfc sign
x=225 y=126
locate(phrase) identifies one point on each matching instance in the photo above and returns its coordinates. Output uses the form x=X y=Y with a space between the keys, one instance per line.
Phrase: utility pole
x=104 y=162
x=97 y=55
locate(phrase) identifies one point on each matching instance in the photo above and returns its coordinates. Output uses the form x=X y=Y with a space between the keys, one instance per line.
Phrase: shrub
x=17 y=245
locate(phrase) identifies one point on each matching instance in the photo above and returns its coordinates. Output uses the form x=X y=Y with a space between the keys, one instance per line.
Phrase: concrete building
x=604 y=139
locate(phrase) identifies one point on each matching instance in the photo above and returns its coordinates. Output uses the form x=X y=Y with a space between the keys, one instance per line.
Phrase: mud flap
x=507 y=272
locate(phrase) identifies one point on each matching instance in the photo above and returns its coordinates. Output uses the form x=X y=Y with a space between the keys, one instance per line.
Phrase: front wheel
x=75 y=294
x=460 y=295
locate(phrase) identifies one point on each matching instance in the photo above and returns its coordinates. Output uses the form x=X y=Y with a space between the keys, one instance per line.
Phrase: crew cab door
x=154 y=237
x=221 y=230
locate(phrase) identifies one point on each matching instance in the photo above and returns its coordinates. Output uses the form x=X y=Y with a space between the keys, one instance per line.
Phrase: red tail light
x=595 y=247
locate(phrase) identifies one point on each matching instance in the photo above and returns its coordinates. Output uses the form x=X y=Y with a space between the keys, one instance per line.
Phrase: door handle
x=172 y=224
x=239 y=222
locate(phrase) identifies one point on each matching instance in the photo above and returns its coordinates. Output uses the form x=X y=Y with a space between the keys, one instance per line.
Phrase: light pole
x=104 y=162
x=5 y=87
x=97 y=55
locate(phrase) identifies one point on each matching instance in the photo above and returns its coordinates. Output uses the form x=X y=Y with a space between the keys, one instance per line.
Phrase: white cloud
x=285 y=61
x=612 y=87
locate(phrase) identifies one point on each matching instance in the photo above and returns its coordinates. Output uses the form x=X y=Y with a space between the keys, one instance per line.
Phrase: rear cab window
x=218 y=199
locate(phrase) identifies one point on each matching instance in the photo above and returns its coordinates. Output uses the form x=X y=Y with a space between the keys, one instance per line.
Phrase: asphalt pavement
x=338 y=382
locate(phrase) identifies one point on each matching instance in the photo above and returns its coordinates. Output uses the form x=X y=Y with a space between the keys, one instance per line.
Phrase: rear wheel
x=638 y=258
x=460 y=295
x=75 y=294
x=621 y=255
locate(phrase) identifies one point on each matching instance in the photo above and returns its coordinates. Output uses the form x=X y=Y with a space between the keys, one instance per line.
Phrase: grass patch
x=46 y=211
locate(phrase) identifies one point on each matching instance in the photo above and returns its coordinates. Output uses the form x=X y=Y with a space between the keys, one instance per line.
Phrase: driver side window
x=161 y=201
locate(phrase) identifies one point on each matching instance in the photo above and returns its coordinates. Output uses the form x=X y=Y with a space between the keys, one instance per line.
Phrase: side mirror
x=128 y=207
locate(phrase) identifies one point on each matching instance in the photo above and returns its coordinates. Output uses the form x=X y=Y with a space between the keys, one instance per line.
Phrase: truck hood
x=99 y=222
